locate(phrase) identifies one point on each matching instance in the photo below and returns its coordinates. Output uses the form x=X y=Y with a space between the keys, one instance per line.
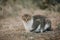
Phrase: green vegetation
x=42 y=4
x=7 y=7
x=58 y=26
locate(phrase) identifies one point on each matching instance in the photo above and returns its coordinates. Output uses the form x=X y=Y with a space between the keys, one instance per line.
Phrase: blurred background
x=12 y=10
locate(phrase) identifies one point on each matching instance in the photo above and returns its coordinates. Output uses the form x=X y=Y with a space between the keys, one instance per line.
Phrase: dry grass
x=7 y=35
x=11 y=27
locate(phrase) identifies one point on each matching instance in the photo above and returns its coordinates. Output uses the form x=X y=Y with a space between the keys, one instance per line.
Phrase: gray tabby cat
x=36 y=23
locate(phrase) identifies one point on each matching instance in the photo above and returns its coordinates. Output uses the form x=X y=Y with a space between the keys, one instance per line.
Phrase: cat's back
x=39 y=17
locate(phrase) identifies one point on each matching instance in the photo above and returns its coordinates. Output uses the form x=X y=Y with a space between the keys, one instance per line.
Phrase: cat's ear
x=30 y=14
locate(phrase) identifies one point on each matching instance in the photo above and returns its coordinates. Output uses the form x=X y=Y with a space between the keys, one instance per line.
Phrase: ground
x=11 y=28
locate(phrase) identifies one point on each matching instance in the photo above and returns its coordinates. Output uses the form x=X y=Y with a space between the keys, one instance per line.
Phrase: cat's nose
x=26 y=20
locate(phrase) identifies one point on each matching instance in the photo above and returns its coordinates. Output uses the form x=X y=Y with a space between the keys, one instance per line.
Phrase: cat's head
x=26 y=17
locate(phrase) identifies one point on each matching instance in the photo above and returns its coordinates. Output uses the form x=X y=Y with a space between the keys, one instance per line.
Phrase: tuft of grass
x=58 y=26
x=11 y=7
